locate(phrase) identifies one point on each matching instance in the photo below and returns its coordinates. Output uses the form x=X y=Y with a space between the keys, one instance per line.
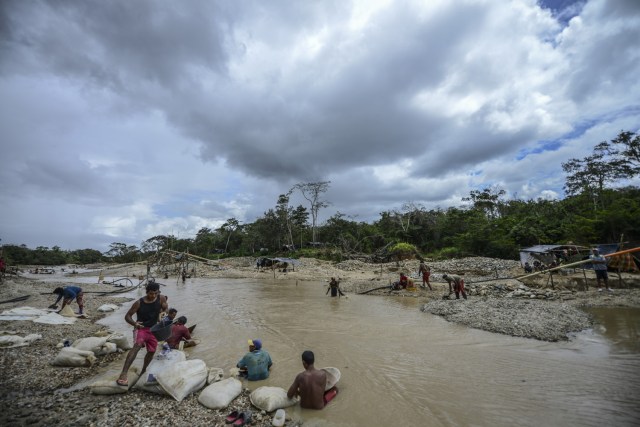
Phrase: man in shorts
x=147 y=310
x=67 y=295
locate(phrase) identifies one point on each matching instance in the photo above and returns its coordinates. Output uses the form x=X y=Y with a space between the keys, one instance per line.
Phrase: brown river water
x=404 y=367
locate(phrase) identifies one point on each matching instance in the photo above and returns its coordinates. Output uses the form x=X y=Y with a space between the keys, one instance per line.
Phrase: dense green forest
x=596 y=209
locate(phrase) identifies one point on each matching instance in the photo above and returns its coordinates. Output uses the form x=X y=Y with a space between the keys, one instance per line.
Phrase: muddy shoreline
x=497 y=303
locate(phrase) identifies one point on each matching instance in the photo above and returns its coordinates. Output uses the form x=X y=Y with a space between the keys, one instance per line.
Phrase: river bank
x=29 y=384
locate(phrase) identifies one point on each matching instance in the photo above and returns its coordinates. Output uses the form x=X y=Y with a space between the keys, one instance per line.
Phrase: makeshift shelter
x=547 y=254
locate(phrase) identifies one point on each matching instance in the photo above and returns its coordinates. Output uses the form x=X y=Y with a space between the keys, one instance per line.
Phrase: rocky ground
x=539 y=308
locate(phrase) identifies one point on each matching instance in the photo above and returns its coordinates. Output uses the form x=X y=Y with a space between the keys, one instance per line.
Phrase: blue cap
x=256 y=343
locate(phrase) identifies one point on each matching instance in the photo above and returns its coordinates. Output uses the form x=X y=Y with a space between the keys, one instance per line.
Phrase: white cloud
x=123 y=120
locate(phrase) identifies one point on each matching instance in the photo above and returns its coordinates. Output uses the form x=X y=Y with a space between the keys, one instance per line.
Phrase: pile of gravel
x=542 y=320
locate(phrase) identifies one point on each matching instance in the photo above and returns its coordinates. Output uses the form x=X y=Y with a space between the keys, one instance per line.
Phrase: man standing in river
x=309 y=384
x=147 y=310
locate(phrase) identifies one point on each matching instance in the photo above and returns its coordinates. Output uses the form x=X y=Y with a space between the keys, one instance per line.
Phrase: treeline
x=595 y=210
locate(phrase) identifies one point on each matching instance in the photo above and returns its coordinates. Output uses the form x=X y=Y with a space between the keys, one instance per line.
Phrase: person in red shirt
x=425 y=272
x=180 y=332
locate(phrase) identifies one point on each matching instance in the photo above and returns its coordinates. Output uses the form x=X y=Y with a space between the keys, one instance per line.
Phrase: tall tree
x=230 y=226
x=312 y=191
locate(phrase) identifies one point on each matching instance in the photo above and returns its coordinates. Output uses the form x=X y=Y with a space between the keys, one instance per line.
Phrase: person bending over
x=458 y=285
x=67 y=295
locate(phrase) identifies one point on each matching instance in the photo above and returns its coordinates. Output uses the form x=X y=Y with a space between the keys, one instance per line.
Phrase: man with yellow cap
x=256 y=363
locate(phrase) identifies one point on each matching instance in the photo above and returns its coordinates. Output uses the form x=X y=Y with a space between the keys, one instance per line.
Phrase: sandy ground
x=498 y=303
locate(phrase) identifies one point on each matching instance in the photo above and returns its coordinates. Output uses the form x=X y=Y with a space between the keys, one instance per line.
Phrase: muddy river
x=404 y=367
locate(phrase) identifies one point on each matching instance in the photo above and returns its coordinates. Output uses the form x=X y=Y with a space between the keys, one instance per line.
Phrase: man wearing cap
x=600 y=267
x=256 y=363
x=180 y=332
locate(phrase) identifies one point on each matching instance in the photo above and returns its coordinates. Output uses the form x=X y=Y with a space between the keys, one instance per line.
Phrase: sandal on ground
x=232 y=417
x=244 y=418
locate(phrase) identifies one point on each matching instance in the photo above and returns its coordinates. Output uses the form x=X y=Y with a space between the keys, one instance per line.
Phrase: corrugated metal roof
x=541 y=248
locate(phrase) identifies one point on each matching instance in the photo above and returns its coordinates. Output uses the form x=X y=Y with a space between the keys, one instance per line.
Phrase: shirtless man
x=309 y=384
x=147 y=310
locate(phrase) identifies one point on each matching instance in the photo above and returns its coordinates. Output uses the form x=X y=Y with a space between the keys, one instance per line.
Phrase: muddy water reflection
x=403 y=366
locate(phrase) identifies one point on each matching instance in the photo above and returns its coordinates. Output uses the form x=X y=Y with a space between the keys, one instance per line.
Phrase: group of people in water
x=255 y=365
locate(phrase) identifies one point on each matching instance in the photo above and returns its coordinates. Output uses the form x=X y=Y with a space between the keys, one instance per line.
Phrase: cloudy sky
x=122 y=120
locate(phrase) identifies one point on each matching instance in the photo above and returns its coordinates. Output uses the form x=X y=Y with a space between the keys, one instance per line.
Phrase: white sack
x=107 y=348
x=120 y=341
x=70 y=356
x=10 y=341
x=108 y=385
x=93 y=344
x=219 y=395
x=157 y=365
x=183 y=378
x=22 y=313
x=107 y=307
x=271 y=398
x=215 y=375
x=53 y=318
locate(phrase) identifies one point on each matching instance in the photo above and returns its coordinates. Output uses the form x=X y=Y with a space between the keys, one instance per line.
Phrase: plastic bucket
x=161 y=332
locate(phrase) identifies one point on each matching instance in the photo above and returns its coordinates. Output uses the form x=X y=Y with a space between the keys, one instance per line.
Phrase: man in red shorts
x=147 y=310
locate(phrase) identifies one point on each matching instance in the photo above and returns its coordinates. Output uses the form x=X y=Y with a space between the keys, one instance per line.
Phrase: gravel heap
x=520 y=318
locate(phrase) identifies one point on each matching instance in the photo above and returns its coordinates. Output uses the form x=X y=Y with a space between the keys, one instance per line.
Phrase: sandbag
x=120 y=341
x=93 y=344
x=71 y=356
x=10 y=341
x=271 y=398
x=107 y=348
x=220 y=394
x=148 y=381
x=183 y=378
x=215 y=375
x=104 y=308
x=108 y=385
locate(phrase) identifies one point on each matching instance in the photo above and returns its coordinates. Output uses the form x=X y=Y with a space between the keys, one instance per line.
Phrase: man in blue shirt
x=67 y=295
x=256 y=363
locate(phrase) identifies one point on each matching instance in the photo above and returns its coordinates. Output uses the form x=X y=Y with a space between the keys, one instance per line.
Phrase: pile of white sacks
x=173 y=375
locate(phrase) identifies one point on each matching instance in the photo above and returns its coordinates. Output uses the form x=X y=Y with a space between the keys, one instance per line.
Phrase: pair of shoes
x=238 y=418
x=244 y=418
x=232 y=417
x=600 y=290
